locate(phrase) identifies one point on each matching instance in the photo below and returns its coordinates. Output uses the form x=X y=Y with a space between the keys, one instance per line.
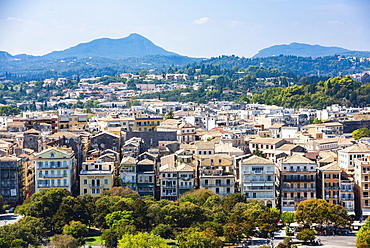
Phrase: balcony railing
x=299 y=189
x=53 y=176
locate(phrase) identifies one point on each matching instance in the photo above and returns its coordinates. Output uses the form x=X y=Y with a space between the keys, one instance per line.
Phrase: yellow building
x=54 y=167
x=72 y=122
x=96 y=176
x=139 y=123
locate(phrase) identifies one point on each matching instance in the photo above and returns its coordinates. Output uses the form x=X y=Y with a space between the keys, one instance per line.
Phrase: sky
x=195 y=28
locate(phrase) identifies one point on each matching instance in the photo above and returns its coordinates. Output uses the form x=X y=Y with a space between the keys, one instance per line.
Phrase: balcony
x=53 y=176
x=95 y=186
x=332 y=188
x=269 y=172
x=50 y=186
x=299 y=189
x=347 y=198
x=296 y=179
x=186 y=187
x=300 y=198
x=169 y=186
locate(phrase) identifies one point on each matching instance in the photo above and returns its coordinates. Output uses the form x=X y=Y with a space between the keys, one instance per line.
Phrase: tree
x=360 y=133
x=312 y=211
x=363 y=235
x=110 y=239
x=44 y=205
x=141 y=240
x=317 y=121
x=119 y=218
x=77 y=230
x=29 y=229
x=165 y=231
x=195 y=239
x=120 y=191
x=63 y=241
x=259 y=153
x=306 y=235
x=287 y=217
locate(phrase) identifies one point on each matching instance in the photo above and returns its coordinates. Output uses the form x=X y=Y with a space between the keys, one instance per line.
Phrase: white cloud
x=201 y=21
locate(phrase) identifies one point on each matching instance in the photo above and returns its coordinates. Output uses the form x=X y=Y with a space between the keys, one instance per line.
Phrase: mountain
x=134 y=45
x=300 y=50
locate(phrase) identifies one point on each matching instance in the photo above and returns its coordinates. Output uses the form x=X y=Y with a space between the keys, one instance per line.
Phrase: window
x=92 y=191
x=85 y=191
x=65 y=182
x=85 y=181
x=105 y=181
x=218 y=182
x=93 y=182
x=217 y=191
x=227 y=181
x=98 y=191
x=327 y=176
x=206 y=182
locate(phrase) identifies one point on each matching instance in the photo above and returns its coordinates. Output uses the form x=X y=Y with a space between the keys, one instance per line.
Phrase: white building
x=257 y=180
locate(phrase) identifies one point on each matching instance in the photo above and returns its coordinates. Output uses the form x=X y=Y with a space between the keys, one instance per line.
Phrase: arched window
x=52 y=155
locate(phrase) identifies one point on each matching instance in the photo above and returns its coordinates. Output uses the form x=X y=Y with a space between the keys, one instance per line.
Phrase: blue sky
x=197 y=28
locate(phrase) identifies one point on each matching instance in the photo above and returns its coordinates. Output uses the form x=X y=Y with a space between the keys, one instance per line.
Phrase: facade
x=128 y=173
x=54 y=167
x=11 y=180
x=362 y=189
x=72 y=122
x=136 y=123
x=105 y=140
x=329 y=179
x=267 y=145
x=257 y=180
x=297 y=181
x=146 y=177
x=175 y=180
x=216 y=173
x=347 y=156
x=96 y=176
x=347 y=197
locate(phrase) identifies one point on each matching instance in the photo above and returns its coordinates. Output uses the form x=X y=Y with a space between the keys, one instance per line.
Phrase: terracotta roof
x=330 y=167
x=226 y=148
x=256 y=160
x=356 y=149
x=32 y=131
x=277 y=125
x=9 y=158
x=286 y=147
x=265 y=141
x=297 y=159
x=328 y=159
x=146 y=161
x=61 y=134
x=204 y=145
x=128 y=160
x=185 y=167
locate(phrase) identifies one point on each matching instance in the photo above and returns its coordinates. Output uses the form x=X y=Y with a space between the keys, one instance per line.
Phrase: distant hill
x=134 y=45
x=301 y=50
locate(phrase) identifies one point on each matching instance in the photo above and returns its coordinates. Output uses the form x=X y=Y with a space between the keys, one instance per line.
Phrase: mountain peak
x=134 y=45
x=301 y=50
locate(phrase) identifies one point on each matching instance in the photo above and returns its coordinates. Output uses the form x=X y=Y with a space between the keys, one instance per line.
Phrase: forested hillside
x=343 y=90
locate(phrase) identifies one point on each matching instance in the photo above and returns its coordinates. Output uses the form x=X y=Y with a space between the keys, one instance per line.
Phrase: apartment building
x=267 y=145
x=96 y=176
x=257 y=180
x=297 y=181
x=216 y=173
x=128 y=172
x=175 y=180
x=72 y=122
x=347 y=196
x=347 y=155
x=55 y=168
x=329 y=178
x=11 y=180
x=362 y=183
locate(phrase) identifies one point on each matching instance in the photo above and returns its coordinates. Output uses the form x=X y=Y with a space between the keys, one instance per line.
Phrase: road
x=6 y=219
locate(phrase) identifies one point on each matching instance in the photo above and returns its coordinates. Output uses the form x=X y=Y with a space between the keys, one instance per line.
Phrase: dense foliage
x=341 y=90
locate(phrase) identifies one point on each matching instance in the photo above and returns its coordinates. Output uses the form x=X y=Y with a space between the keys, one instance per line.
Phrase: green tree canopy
x=360 y=133
x=141 y=240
